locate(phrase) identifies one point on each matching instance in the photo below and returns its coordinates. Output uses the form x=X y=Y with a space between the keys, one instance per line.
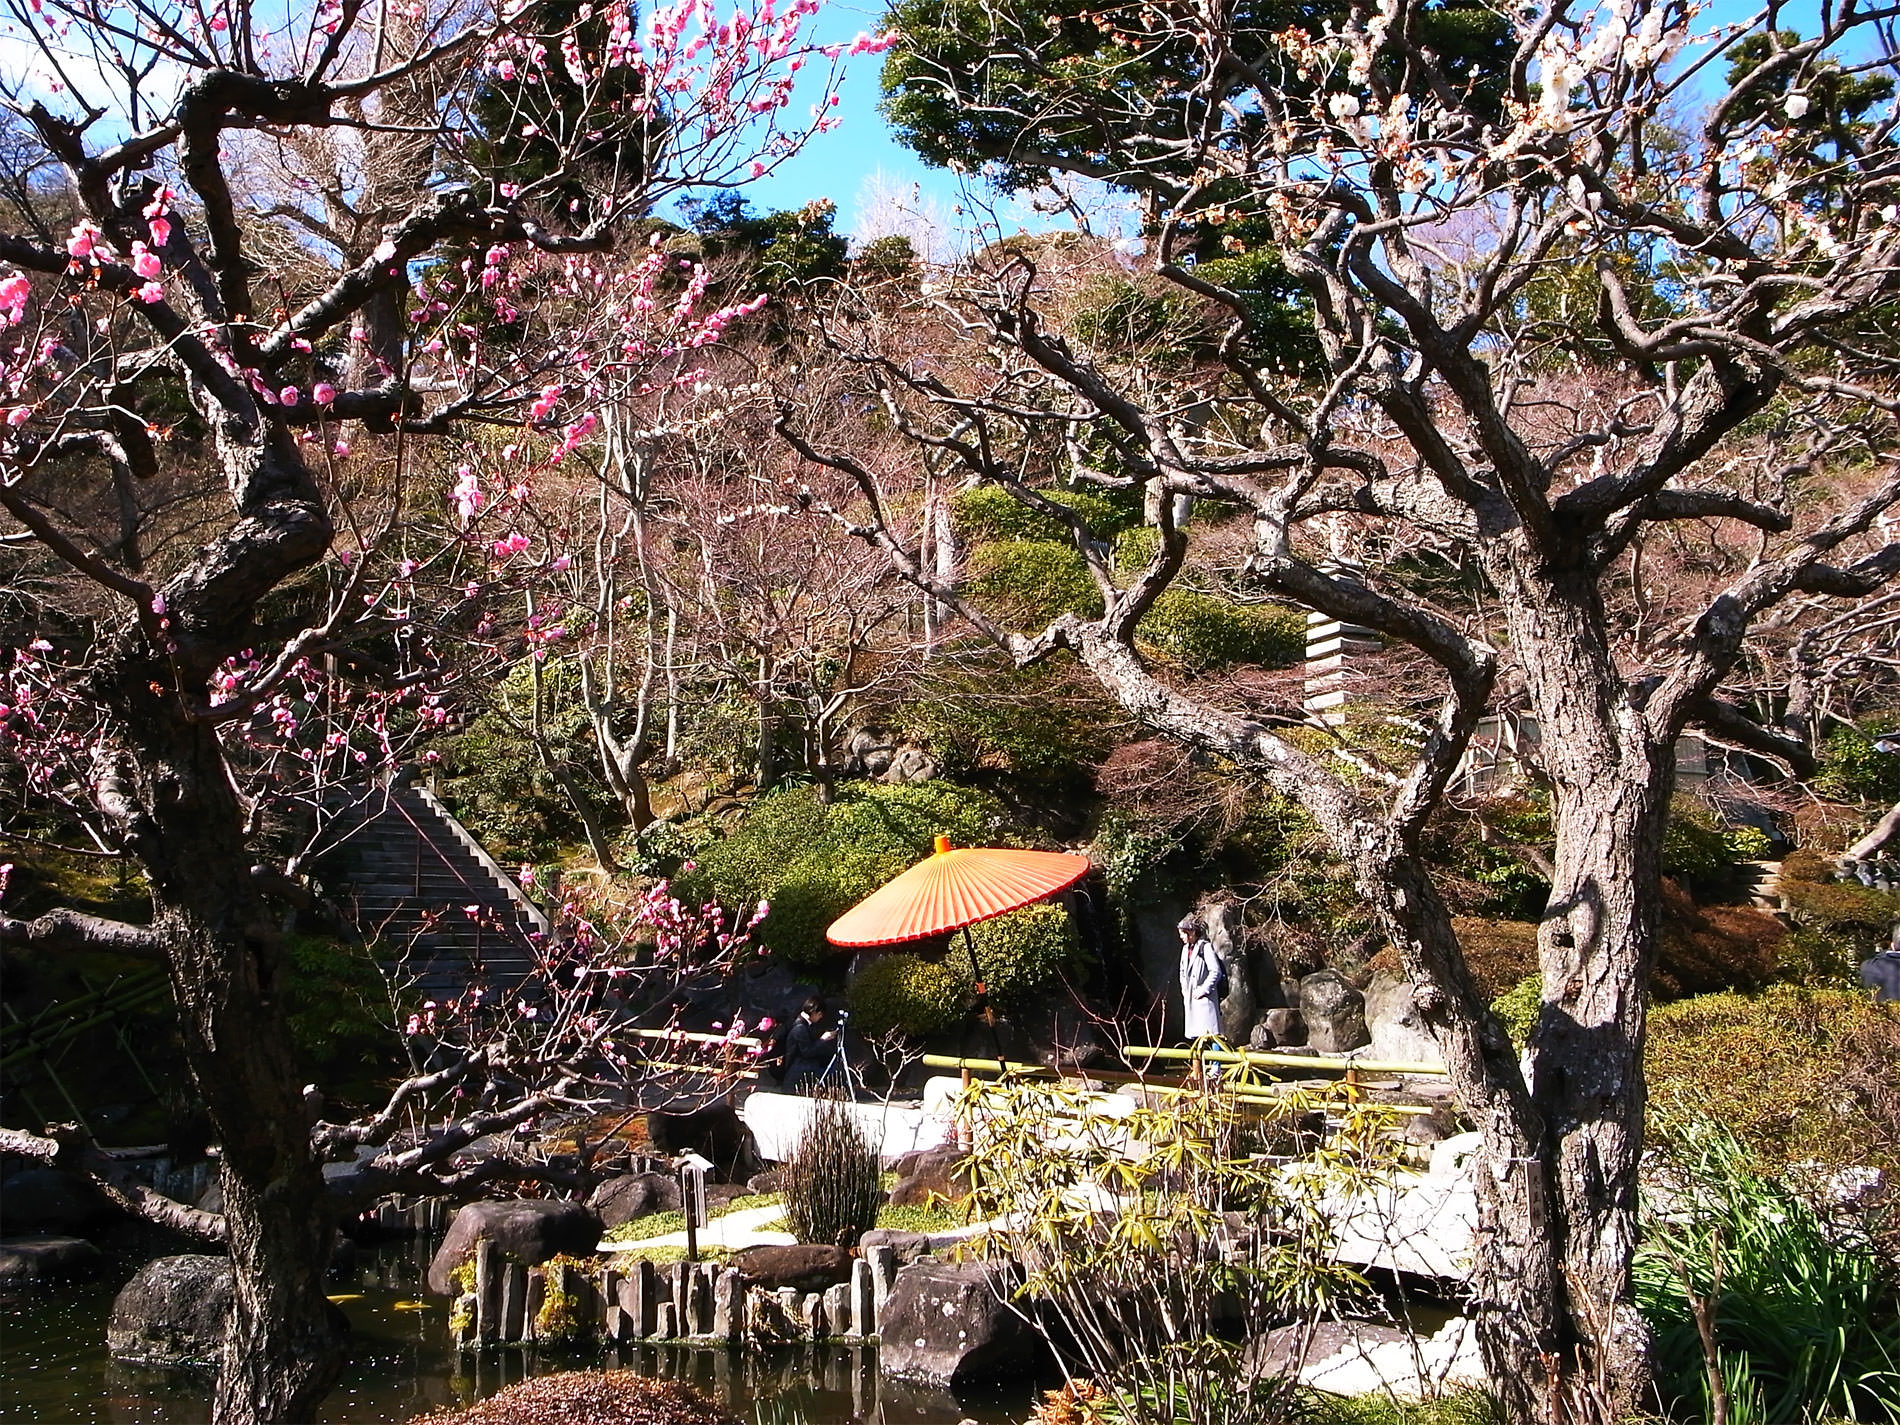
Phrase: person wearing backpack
x=1203 y=980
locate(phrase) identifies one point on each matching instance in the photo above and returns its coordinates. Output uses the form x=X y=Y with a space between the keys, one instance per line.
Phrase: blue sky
x=836 y=165
x=839 y=165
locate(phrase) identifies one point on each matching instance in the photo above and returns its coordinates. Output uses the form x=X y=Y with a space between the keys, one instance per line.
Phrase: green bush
x=1518 y=1007
x=1464 y=1407
x=1046 y=727
x=1130 y=852
x=885 y=258
x=336 y=1002
x=1806 y=1319
x=831 y=1183
x=1748 y=843
x=1134 y=548
x=1032 y=581
x=1283 y=335
x=908 y=994
x=747 y=864
x=1797 y=1074
x=496 y=783
x=1854 y=770
x=1026 y=953
x=1204 y=634
x=1490 y=854
x=900 y=823
x=990 y=513
x=812 y=862
x=1695 y=850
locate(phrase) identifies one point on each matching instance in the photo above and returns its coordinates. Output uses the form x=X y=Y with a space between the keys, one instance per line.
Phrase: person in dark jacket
x=810 y=1046
x=1882 y=973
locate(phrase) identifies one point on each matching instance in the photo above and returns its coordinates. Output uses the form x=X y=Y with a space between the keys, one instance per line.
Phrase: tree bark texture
x=226 y=963
x=1611 y=777
x=161 y=776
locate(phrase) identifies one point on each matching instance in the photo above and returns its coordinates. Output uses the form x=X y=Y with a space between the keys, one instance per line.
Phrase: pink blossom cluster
x=14 y=292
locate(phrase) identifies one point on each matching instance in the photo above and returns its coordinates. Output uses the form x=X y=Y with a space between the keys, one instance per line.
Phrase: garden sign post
x=693 y=1199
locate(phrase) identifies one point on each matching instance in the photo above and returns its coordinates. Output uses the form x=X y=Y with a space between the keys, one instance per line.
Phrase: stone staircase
x=422 y=890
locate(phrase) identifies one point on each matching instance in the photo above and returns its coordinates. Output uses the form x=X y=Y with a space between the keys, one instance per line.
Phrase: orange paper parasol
x=954 y=888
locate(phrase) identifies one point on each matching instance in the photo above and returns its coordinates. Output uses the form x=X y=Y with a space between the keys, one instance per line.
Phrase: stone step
x=410 y=877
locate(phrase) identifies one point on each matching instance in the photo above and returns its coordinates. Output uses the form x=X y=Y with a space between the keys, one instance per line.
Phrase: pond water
x=54 y=1369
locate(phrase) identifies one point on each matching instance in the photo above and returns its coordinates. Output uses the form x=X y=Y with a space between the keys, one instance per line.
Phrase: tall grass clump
x=831 y=1186
x=1800 y=1316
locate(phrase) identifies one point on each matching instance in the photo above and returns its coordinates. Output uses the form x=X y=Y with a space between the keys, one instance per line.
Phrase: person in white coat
x=1200 y=980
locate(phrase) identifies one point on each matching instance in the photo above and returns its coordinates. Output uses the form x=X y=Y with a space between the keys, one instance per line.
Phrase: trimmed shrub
x=899 y=823
x=989 y=512
x=1204 y=634
x=1025 y=953
x=1134 y=548
x=908 y=994
x=587 y=1398
x=747 y=863
x=1714 y=947
x=831 y=1182
x=1842 y=922
x=1797 y=1074
x=1032 y=581
x=812 y=862
x=1501 y=953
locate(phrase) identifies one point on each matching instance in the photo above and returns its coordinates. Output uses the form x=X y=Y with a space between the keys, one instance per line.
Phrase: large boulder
x=1335 y=1013
x=634 y=1195
x=52 y=1200
x=44 y=1259
x=906 y=1247
x=1237 y=1005
x=530 y=1230
x=930 y=1174
x=1395 y=1027
x=910 y=764
x=172 y=1313
x=870 y=751
x=808 y=1266
x=1278 y=1029
x=950 y=1323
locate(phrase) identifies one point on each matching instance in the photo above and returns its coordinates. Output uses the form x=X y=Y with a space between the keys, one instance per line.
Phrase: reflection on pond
x=54 y=1369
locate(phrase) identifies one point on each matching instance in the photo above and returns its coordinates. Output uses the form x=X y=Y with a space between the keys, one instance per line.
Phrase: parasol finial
x=943 y=844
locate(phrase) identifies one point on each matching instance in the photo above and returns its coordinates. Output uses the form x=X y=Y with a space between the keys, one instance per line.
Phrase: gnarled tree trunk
x=1610 y=785
x=168 y=781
